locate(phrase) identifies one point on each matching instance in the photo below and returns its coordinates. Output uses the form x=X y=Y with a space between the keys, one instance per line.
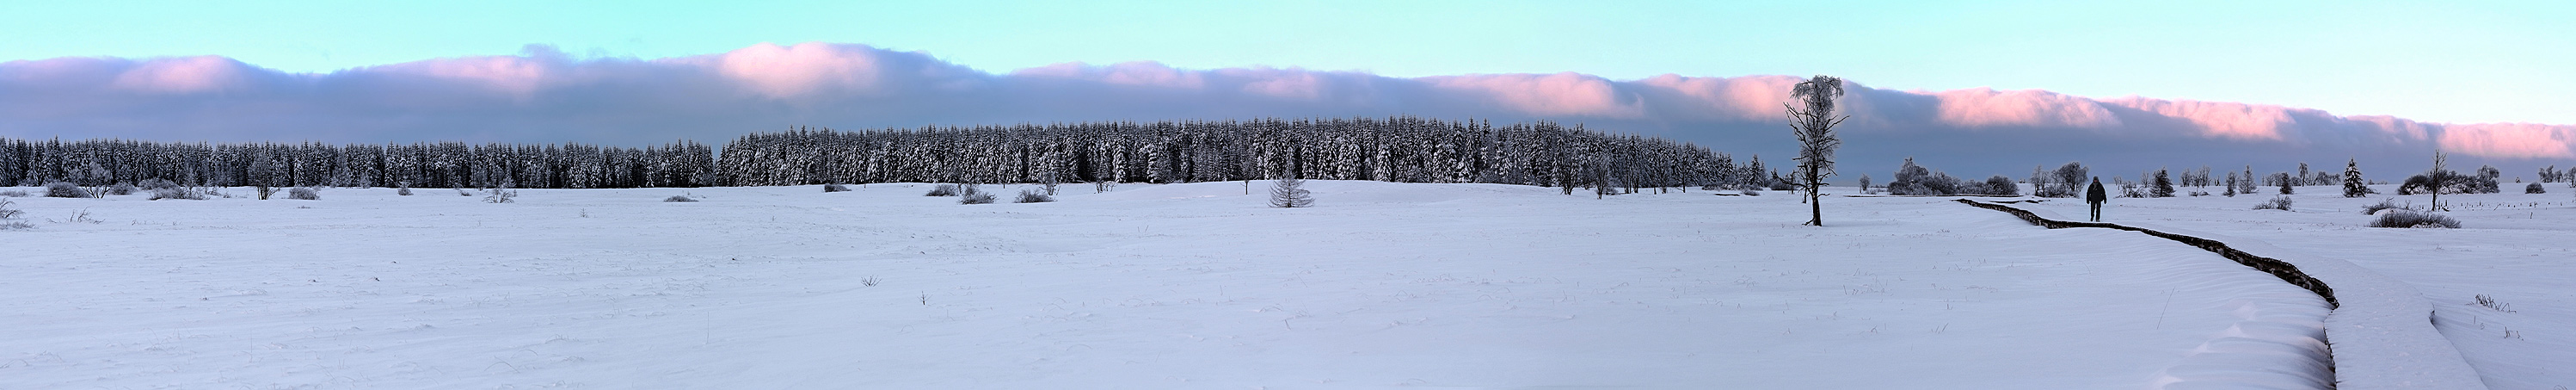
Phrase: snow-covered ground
x=1184 y=286
x=2517 y=249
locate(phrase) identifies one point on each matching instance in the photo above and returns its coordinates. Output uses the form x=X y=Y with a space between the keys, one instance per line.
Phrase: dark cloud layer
x=546 y=96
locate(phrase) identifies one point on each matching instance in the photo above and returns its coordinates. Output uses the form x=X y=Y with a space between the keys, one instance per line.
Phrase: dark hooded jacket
x=2094 y=193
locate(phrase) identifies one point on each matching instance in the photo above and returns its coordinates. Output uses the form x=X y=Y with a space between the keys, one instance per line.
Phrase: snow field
x=2514 y=248
x=1154 y=286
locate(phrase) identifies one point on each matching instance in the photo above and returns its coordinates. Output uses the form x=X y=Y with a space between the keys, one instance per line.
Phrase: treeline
x=1399 y=149
x=446 y=164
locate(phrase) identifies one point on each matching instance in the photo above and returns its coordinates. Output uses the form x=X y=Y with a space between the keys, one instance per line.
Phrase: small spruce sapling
x=1290 y=193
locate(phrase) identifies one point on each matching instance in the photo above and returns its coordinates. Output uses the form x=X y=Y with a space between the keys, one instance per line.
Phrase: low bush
x=9 y=217
x=968 y=194
x=303 y=193
x=2384 y=204
x=121 y=189
x=835 y=187
x=502 y=195
x=1033 y=196
x=942 y=190
x=64 y=190
x=265 y=191
x=2534 y=188
x=2414 y=219
x=13 y=194
x=156 y=184
x=177 y=193
x=2277 y=203
x=679 y=198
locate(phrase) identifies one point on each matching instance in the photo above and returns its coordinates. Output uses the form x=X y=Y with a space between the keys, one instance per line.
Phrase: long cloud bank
x=546 y=96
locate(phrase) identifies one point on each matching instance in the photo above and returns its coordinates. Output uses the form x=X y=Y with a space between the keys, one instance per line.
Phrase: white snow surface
x=1383 y=285
x=2515 y=248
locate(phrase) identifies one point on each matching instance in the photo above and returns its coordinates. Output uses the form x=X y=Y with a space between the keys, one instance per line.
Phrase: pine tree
x=2164 y=187
x=2353 y=185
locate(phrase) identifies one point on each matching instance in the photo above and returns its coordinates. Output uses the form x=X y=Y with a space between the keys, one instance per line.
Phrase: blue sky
x=2446 y=61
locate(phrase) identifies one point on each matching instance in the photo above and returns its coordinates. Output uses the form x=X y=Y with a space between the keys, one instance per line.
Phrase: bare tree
x=2438 y=159
x=1814 y=126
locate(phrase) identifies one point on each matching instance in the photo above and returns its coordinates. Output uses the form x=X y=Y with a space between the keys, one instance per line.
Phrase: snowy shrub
x=1033 y=196
x=1290 y=193
x=2413 y=219
x=835 y=187
x=13 y=194
x=121 y=189
x=155 y=184
x=2277 y=203
x=942 y=190
x=404 y=191
x=177 y=193
x=679 y=198
x=2452 y=183
x=2384 y=204
x=303 y=193
x=1751 y=192
x=9 y=216
x=972 y=194
x=264 y=191
x=2534 y=188
x=64 y=190
x=460 y=191
x=502 y=195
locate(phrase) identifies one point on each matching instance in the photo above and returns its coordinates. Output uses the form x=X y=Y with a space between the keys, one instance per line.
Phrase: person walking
x=2094 y=196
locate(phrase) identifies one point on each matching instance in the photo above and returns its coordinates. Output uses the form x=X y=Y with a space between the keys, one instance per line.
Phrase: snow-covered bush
x=2384 y=204
x=679 y=198
x=1034 y=196
x=2452 y=183
x=835 y=187
x=303 y=193
x=2277 y=203
x=2534 y=188
x=63 y=189
x=265 y=191
x=971 y=196
x=460 y=191
x=13 y=194
x=177 y=193
x=157 y=183
x=2413 y=219
x=942 y=190
x=502 y=195
x=9 y=217
x=121 y=189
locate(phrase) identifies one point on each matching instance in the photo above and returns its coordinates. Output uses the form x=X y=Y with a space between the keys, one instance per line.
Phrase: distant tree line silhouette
x=1397 y=149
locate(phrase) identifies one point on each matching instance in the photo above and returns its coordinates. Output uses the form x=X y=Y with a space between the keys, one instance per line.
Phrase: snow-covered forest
x=1399 y=149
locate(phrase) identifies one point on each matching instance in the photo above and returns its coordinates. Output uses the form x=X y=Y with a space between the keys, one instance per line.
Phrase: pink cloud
x=184 y=75
x=2216 y=119
x=2510 y=140
x=1748 y=98
x=519 y=77
x=804 y=70
x=1981 y=107
x=1569 y=94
